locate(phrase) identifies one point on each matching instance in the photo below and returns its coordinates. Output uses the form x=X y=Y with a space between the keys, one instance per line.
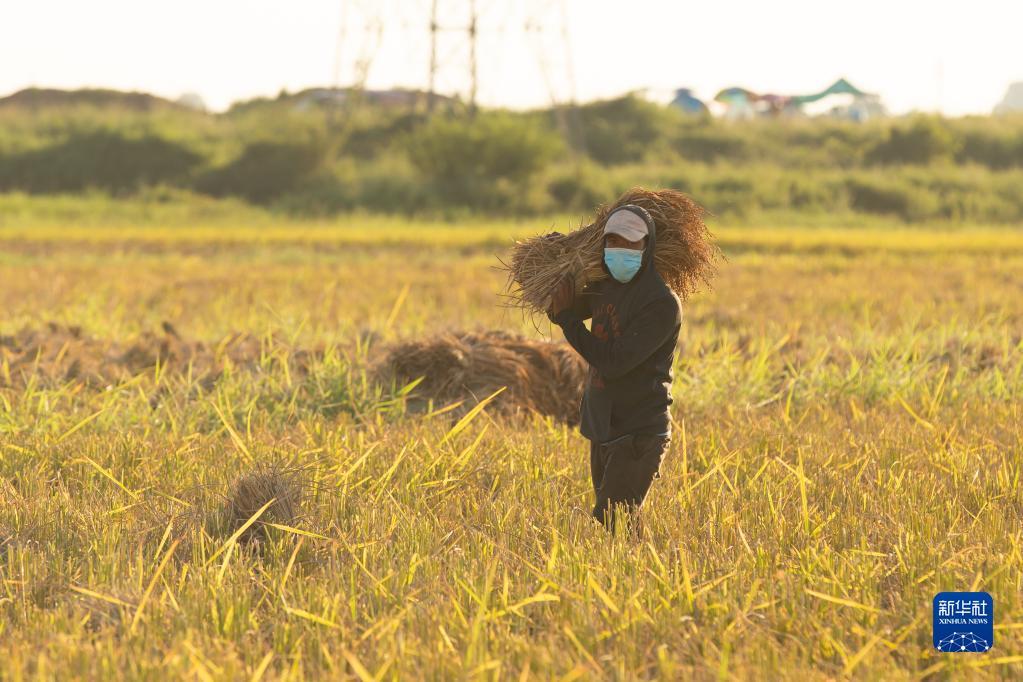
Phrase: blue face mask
x=623 y=263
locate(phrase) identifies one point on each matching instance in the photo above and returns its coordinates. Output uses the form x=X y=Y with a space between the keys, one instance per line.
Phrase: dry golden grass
x=849 y=428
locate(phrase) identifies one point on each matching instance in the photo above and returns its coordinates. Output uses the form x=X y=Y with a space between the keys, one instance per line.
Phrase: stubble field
x=849 y=419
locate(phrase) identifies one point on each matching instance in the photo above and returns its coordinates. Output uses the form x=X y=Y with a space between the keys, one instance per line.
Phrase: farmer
x=629 y=347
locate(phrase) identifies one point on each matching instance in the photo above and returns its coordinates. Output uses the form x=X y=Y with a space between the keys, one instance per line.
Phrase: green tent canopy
x=839 y=87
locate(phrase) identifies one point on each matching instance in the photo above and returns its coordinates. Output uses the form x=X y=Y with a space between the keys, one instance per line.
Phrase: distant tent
x=736 y=95
x=687 y=102
x=743 y=103
x=192 y=101
x=739 y=103
x=839 y=87
x=1013 y=100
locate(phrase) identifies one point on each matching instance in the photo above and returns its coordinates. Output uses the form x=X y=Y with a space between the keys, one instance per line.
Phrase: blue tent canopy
x=686 y=101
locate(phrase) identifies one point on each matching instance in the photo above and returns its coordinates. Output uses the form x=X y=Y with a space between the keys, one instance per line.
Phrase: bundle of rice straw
x=538 y=376
x=266 y=482
x=686 y=254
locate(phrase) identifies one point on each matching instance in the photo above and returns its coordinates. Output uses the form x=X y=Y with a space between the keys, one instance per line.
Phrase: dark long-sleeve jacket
x=630 y=348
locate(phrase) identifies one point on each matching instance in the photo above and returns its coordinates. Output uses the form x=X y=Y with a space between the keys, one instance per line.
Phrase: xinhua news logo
x=963 y=622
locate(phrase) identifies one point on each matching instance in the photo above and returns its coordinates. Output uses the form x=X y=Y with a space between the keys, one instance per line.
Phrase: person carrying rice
x=630 y=348
x=627 y=271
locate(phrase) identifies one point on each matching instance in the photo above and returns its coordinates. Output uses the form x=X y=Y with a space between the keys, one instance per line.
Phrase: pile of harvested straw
x=267 y=483
x=58 y=354
x=685 y=255
x=538 y=376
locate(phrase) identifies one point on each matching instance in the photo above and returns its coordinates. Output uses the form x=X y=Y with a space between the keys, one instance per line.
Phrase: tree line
x=320 y=160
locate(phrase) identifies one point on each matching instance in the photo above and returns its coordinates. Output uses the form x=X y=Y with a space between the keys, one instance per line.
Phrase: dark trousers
x=622 y=471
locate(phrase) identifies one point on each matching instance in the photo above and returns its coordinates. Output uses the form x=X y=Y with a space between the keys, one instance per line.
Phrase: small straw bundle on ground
x=254 y=489
x=685 y=257
x=538 y=376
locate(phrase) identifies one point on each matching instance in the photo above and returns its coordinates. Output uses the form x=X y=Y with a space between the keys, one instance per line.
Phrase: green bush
x=624 y=130
x=923 y=141
x=972 y=194
x=998 y=150
x=97 y=160
x=374 y=138
x=580 y=186
x=820 y=142
x=728 y=195
x=808 y=193
x=709 y=143
x=1006 y=192
x=484 y=162
x=388 y=185
x=391 y=185
x=264 y=171
x=320 y=194
x=888 y=197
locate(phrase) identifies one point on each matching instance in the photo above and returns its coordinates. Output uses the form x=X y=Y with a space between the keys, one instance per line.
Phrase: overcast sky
x=958 y=56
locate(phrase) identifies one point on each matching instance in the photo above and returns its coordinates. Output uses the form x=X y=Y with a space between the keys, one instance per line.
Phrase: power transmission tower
x=357 y=48
x=473 y=65
x=550 y=17
x=431 y=101
x=367 y=16
x=465 y=37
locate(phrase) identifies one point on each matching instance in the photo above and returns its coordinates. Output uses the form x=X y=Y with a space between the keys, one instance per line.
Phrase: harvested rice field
x=217 y=460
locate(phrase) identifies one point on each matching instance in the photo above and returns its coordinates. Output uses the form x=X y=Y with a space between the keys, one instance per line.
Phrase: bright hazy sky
x=917 y=54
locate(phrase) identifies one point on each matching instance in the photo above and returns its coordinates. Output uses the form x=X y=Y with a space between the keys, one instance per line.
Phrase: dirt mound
x=539 y=376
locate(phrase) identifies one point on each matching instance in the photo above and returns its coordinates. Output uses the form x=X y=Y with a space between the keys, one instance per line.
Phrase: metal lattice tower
x=358 y=47
x=547 y=25
x=455 y=23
